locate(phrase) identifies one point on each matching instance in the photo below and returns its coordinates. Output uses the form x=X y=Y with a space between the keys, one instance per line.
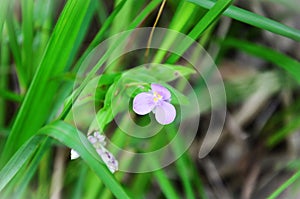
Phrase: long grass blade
x=282 y=133
x=146 y=11
x=253 y=19
x=284 y=186
x=71 y=137
x=289 y=64
x=27 y=42
x=207 y=20
x=4 y=69
x=5 y=4
x=37 y=103
x=16 y=52
x=165 y=185
x=183 y=15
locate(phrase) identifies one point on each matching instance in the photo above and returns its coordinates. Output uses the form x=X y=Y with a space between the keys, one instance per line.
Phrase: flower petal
x=143 y=103
x=74 y=154
x=165 y=93
x=97 y=140
x=165 y=113
x=100 y=138
x=108 y=159
x=92 y=139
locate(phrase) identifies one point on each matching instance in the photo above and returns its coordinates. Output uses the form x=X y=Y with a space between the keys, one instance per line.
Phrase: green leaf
x=177 y=96
x=5 y=4
x=105 y=114
x=71 y=137
x=127 y=86
x=207 y=20
x=4 y=81
x=168 y=72
x=158 y=73
x=36 y=106
x=181 y=165
x=182 y=21
x=139 y=79
x=289 y=64
x=27 y=33
x=165 y=184
x=16 y=50
x=183 y=15
x=139 y=19
x=94 y=91
x=103 y=117
x=291 y=127
x=18 y=160
x=23 y=180
x=284 y=186
x=254 y=20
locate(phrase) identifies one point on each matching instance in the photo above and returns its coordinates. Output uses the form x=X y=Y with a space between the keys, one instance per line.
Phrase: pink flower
x=156 y=100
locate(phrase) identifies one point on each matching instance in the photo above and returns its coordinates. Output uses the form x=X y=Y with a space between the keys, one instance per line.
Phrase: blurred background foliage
x=255 y=45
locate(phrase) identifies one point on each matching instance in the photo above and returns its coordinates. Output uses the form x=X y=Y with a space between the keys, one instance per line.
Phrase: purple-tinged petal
x=108 y=159
x=165 y=93
x=143 y=103
x=100 y=138
x=97 y=140
x=97 y=134
x=92 y=139
x=165 y=113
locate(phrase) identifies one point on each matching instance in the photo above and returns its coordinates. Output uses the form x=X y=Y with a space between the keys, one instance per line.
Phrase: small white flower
x=98 y=142
x=74 y=154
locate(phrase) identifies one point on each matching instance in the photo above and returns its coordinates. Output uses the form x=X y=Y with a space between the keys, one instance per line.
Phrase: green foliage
x=37 y=102
x=43 y=53
x=72 y=138
x=290 y=65
x=206 y=21
x=254 y=20
x=3 y=12
x=284 y=186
